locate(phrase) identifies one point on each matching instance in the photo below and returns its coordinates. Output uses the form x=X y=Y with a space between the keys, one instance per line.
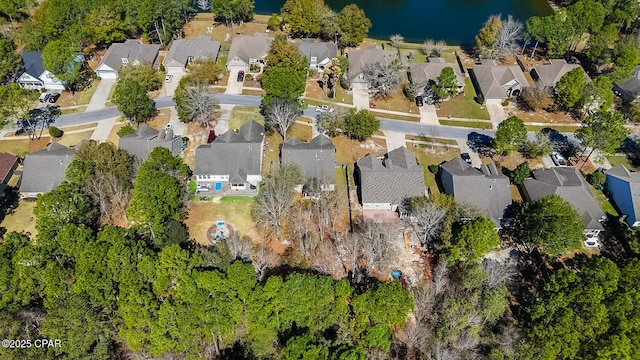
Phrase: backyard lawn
x=464 y=106
x=203 y=214
x=604 y=202
x=432 y=155
x=622 y=160
x=22 y=219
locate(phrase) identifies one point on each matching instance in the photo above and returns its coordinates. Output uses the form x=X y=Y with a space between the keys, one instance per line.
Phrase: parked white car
x=324 y=108
x=558 y=159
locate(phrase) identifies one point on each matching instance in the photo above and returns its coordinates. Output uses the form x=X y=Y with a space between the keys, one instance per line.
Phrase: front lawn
x=75 y=138
x=464 y=105
x=242 y=114
x=432 y=155
x=313 y=91
x=79 y=98
x=396 y=101
x=485 y=125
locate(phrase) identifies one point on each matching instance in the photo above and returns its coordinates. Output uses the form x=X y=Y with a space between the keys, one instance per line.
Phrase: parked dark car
x=466 y=158
x=53 y=97
x=212 y=136
x=241 y=75
x=419 y=101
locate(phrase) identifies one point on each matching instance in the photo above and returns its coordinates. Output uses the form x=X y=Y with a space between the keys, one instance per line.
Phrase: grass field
x=604 y=202
x=236 y=212
x=427 y=155
x=75 y=138
x=430 y=139
x=300 y=131
x=622 y=160
x=22 y=219
x=560 y=128
x=464 y=106
x=468 y=124
x=73 y=111
x=415 y=118
x=15 y=147
x=242 y=114
x=396 y=101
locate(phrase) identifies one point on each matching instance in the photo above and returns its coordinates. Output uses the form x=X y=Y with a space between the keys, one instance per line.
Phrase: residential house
x=486 y=188
x=498 y=82
x=129 y=52
x=33 y=74
x=44 y=170
x=624 y=187
x=248 y=50
x=359 y=60
x=183 y=51
x=316 y=159
x=568 y=183
x=8 y=164
x=629 y=90
x=424 y=75
x=549 y=74
x=384 y=185
x=318 y=54
x=233 y=161
x=144 y=139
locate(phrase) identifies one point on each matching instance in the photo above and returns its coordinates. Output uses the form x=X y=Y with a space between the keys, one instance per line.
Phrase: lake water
x=455 y=21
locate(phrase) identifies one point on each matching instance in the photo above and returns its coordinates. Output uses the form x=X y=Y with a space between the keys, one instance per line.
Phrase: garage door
x=175 y=69
x=108 y=74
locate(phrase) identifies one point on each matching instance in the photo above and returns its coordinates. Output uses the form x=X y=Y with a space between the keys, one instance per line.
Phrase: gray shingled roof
x=550 y=74
x=491 y=78
x=142 y=142
x=487 y=188
x=424 y=73
x=44 y=170
x=321 y=50
x=247 y=47
x=316 y=159
x=360 y=59
x=131 y=50
x=633 y=178
x=398 y=178
x=568 y=183
x=201 y=48
x=630 y=88
x=233 y=154
x=32 y=63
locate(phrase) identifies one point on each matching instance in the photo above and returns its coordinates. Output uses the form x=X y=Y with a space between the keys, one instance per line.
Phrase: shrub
x=343 y=83
x=274 y=22
x=479 y=99
x=520 y=173
x=125 y=130
x=248 y=77
x=505 y=102
x=162 y=68
x=330 y=94
x=55 y=132
x=433 y=168
x=268 y=129
x=409 y=91
x=597 y=179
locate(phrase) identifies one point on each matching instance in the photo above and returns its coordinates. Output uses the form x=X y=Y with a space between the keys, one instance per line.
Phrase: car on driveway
x=466 y=157
x=419 y=101
x=53 y=97
x=324 y=108
x=168 y=78
x=44 y=97
x=558 y=159
x=240 y=75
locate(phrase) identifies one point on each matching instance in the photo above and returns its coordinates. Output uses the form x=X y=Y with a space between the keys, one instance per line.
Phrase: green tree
x=354 y=26
x=285 y=55
x=599 y=93
x=625 y=58
x=9 y=60
x=474 y=239
x=447 y=85
x=132 y=100
x=59 y=57
x=521 y=173
x=63 y=205
x=16 y=102
x=143 y=74
x=603 y=131
x=551 y=224
x=488 y=35
x=302 y=17
x=104 y=26
x=231 y=11
x=15 y=9
x=125 y=130
x=361 y=124
x=205 y=71
x=570 y=87
x=274 y=22
x=510 y=134
x=283 y=84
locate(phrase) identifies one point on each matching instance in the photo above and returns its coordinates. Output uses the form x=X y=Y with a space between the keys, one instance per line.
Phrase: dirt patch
x=38 y=144
x=514 y=159
x=161 y=119
x=197 y=136
x=540 y=116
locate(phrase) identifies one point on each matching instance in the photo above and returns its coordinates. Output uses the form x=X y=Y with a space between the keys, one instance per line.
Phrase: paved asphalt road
x=451 y=132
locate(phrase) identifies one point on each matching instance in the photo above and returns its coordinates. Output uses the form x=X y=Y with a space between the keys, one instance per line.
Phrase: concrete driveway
x=233 y=85
x=496 y=113
x=428 y=115
x=169 y=88
x=101 y=95
x=547 y=162
x=395 y=139
x=464 y=148
x=361 y=99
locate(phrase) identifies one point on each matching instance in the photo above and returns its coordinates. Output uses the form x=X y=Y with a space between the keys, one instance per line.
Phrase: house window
x=125 y=60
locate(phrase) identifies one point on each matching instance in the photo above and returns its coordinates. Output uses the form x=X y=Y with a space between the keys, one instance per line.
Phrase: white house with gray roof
x=498 y=82
x=424 y=75
x=359 y=60
x=33 y=75
x=385 y=184
x=624 y=187
x=568 y=183
x=183 y=51
x=144 y=139
x=316 y=159
x=44 y=170
x=248 y=50
x=549 y=74
x=629 y=90
x=232 y=162
x=318 y=54
x=486 y=188
x=129 y=52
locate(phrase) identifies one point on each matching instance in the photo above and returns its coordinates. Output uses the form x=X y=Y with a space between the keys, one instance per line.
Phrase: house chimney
x=169 y=134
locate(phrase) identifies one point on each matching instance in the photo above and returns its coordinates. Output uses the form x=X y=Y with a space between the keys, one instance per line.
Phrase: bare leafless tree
x=499 y=272
x=383 y=76
x=239 y=246
x=282 y=114
x=509 y=36
x=379 y=243
x=200 y=105
x=111 y=196
x=263 y=258
x=428 y=46
x=204 y=4
x=426 y=220
x=396 y=40
x=439 y=47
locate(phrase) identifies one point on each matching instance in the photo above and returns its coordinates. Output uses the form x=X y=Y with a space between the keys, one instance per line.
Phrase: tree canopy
x=361 y=124
x=603 y=131
x=132 y=100
x=570 y=88
x=510 y=134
